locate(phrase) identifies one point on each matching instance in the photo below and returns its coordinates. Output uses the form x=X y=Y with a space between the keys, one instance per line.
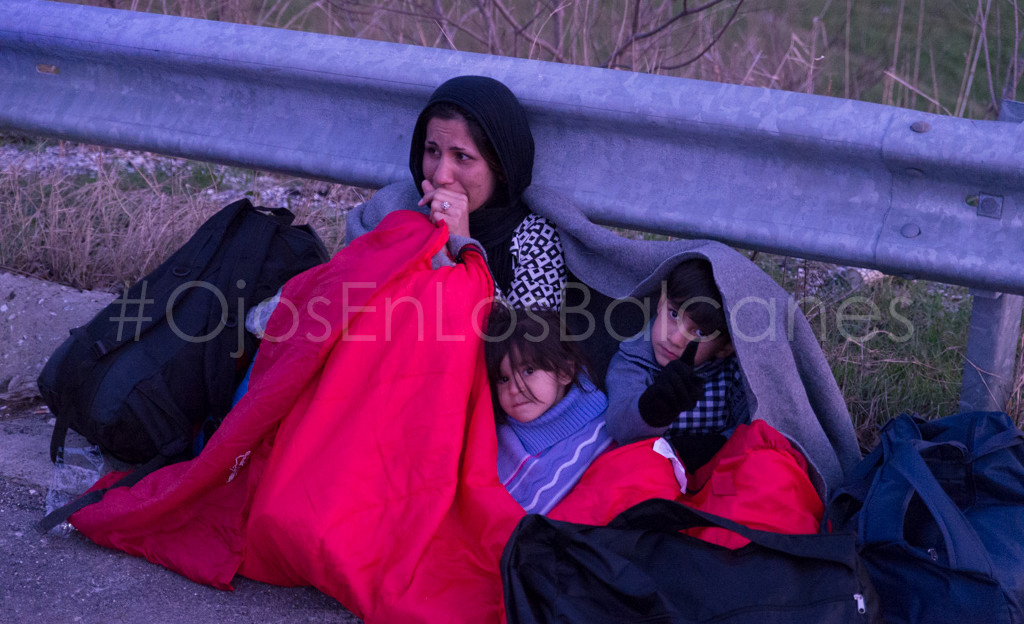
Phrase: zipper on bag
x=861 y=608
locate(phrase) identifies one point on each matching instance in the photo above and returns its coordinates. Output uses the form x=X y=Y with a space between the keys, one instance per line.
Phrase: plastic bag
x=73 y=474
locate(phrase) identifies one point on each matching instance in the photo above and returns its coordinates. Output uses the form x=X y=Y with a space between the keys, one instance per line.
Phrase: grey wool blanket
x=790 y=384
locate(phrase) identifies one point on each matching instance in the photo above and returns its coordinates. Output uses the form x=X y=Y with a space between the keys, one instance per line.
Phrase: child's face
x=542 y=390
x=674 y=329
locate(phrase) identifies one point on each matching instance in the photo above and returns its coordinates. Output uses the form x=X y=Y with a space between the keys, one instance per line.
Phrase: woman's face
x=451 y=161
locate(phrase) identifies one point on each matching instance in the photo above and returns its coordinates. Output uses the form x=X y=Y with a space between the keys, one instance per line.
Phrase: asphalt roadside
x=57 y=580
x=68 y=579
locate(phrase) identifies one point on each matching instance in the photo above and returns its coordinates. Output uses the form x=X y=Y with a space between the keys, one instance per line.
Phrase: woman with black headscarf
x=471 y=158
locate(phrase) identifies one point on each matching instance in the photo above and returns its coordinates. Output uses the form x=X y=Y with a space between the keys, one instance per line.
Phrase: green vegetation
x=894 y=345
x=953 y=57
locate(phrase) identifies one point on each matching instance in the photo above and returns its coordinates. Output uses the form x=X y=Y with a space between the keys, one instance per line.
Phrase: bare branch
x=685 y=12
x=917 y=91
x=1016 y=65
x=520 y=30
x=718 y=35
x=555 y=12
x=418 y=13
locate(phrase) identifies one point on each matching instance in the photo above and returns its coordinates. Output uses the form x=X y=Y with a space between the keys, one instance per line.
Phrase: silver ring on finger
x=445 y=206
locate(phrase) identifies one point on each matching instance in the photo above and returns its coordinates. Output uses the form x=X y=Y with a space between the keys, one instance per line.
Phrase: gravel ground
x=36 y=318
x=31 y=156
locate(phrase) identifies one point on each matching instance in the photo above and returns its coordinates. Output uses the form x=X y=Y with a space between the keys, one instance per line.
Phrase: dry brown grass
x=93 y=234
x=110 y=228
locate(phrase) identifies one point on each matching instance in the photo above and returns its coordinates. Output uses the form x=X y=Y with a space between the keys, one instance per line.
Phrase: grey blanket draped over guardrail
x=847 y=182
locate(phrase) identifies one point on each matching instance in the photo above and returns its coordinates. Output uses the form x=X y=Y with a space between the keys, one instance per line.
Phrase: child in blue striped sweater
x=550 y=416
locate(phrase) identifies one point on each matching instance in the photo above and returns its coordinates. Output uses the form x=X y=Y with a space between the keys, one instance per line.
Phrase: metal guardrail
x=847 y=182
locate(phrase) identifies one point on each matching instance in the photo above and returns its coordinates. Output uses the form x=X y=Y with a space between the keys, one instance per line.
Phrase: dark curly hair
x=532 y=338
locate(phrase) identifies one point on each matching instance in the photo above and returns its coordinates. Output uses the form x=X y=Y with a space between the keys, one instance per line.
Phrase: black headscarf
x=503 y=120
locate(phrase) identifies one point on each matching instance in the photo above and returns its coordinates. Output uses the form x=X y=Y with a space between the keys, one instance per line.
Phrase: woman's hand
x=449 y=206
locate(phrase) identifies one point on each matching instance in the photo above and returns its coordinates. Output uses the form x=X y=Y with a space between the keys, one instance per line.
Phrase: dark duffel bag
x=639 y=568
x=938 y=508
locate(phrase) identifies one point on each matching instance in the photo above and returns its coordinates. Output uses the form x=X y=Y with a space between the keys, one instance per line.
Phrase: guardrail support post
x=991 y=352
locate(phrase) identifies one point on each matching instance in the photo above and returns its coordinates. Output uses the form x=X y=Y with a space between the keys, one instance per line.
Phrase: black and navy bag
x=640 y=568
x=938 y=508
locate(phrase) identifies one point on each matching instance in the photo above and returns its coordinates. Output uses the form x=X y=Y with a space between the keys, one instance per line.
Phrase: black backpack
x=145 y=372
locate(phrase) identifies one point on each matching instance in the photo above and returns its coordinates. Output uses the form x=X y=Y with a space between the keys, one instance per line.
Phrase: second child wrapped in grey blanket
x=789 y=383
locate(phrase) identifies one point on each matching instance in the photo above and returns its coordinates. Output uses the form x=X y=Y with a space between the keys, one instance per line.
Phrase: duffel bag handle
x=890 y=496
x=998 y=442
x=997 y=430
x=666 y=516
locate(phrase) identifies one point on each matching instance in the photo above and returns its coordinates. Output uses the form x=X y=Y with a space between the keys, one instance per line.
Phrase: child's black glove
x=675 y=389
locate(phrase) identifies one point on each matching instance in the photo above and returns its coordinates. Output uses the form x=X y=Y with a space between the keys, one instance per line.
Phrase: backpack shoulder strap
x=57 y=516
x=59 y=436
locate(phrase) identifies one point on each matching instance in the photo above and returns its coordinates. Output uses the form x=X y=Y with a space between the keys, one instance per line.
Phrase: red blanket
x=759 y=480
x=362 y=460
